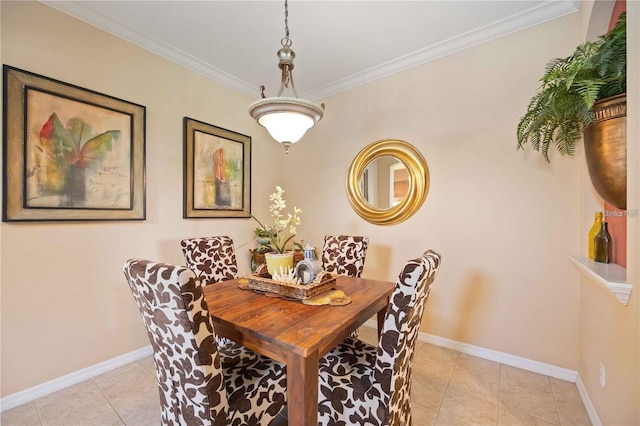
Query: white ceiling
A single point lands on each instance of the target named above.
(339, 44)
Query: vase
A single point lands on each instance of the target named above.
(595, 228)
(605, 147)
(602, 245)
(277, 260)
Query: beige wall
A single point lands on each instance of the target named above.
(504, 221)
(65, 303)
(610, 332)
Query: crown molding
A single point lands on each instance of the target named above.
(93, 18)
(547, 11)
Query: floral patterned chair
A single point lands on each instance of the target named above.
(199, 383)
(213, 259)
(344, 254)
(363, 384)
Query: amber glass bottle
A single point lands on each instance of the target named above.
(602, 245)
(597, 224)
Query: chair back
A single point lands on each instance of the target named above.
(213, 259)
(344, 254)
(399, 335)
(172, 305)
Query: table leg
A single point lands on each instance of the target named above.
(302, 389)
(381, 313)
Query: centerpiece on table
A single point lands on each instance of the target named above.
(278, 238)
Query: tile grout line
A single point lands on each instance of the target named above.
(108, 400)
(557, 423)
(555, 403)
(37, 411)
(446, 389)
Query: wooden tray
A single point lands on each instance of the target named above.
(263, 282)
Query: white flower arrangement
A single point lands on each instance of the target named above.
(284, 228)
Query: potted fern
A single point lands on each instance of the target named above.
(584, 95)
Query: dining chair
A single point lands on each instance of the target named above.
(344, 254)
(363, 384)
(213, 259)
(199, 383)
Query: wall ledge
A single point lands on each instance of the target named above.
(610, 277)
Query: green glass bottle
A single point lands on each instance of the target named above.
(597, 224)
(602, 245)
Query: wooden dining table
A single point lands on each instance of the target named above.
(293, 333)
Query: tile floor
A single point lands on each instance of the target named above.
(449, 388)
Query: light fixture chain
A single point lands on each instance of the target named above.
(286, 41)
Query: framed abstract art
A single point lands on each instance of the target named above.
(217, 171)
(70, 153)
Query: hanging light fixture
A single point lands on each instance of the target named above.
(286, 119)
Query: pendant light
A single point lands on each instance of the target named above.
(286, 118)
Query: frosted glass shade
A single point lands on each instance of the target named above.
(286, 119)
(286, 126)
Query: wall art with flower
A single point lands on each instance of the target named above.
(217, 171)
(72, 154)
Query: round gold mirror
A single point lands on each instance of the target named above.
(387, 182)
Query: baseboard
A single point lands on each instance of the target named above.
(46, 388)
(588, 405)
(501, 357)
(514, 361)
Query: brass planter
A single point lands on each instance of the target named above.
(605, 147)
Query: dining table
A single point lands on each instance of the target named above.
(294, 333)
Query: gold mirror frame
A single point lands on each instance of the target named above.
(418, 182)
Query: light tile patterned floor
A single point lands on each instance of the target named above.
(449, 388)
